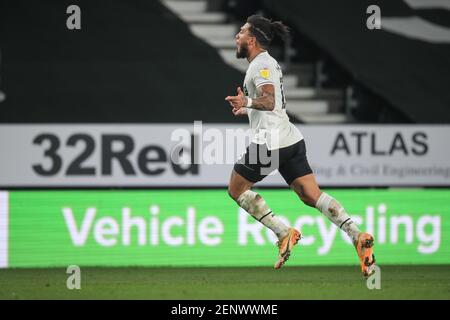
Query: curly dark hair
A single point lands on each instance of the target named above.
(264, 30)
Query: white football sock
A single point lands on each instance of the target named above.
(254, 204)
(337, 214)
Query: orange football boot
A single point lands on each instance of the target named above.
(285, 246)
(364, 248)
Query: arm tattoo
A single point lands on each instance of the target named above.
(265, 100)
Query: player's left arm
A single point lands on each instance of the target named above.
(265, 100)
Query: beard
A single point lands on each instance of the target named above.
(242, 52)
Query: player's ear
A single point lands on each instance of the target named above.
(253, 41)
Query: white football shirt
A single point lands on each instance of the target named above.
(270, 127)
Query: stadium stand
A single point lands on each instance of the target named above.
(174, 61)
(336, 68)
(309, 99)
(406, 64)
(130, 62)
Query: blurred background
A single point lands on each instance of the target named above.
(138, 54)
(87, 116)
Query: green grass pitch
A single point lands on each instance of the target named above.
(397, 282)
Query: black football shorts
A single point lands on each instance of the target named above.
(258, 162)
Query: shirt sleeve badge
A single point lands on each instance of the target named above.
(265, 73)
